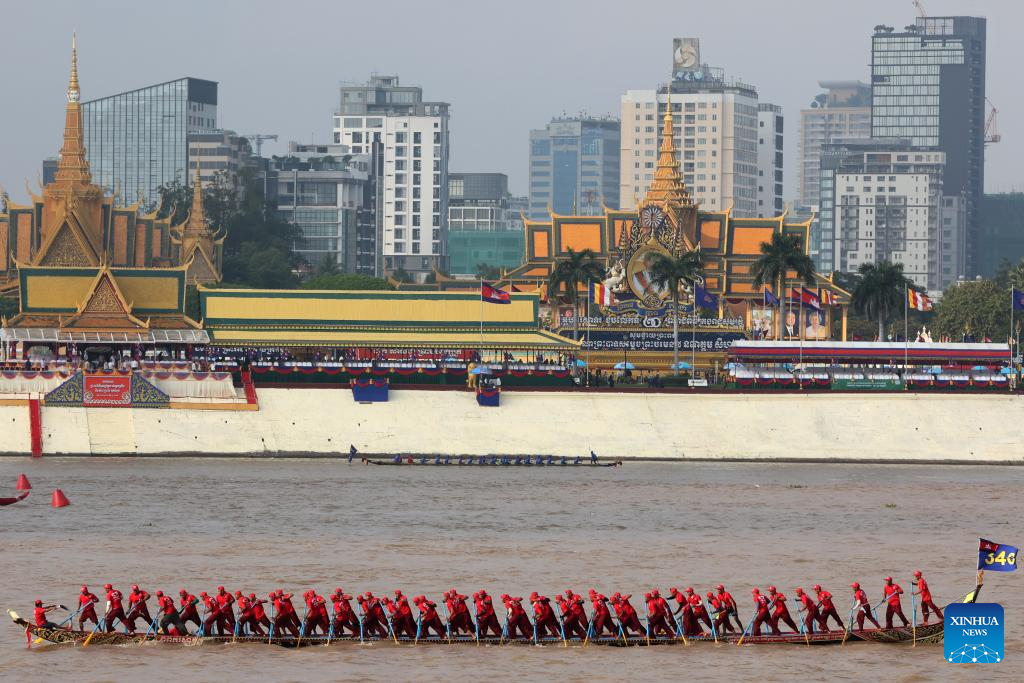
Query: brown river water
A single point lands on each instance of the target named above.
(261, 524)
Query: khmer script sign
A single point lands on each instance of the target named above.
(107, 390)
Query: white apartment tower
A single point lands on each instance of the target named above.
(769, 160)
(413, 188)
(715, 124)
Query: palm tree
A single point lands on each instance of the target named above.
(782, 254)
(880, 292)
(578, 268)
(671, 272)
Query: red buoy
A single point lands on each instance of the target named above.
(23, 484)
(59, 499)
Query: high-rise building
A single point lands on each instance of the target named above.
(843, 111)
(574, 166)
(482, 228)
(413, 192)
(715, 128)
(137, 141)
(928, 86)
(221, 152)
(1002, 226)
(769, 160)
(323, 190)
(882, 199)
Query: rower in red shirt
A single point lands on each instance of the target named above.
(700, 612)
(892, 595)
(809, 609)
(629, 620)
(657, 616)
(486, 619)
(602, 617)
(211, 617)
(169, 618)
(188, 608)
(316, 614)
(732, 609)
(430, 620)
(406, 621)
(576, 607)
(227, 613)
(763, 616)
(827, 609)
(372, 624)
(259, 614)
(720, 614)
(40, 613)
(459, 613)
(517, 622)
(246, 615)
(863, 607)
(926, 597)
(544, 620)
(137, 608)
(344, 616)
(87, 609)
(685, 610)
(115, 611)
(781, 611)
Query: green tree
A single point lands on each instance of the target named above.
(578, 268)
(401, 275)
(779, 256)
(346, 281)
(671, 272)
(881, 291)
(485, 271)
(981, 307)
(328, 266)
(256, 266)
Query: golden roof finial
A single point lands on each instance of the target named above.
(197, 217)
(668, 186)
(74, 93)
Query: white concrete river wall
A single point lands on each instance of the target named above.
(825, 427)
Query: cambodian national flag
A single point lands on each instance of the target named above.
(493, 295)
(704, 298)
(1018, 300)
(769, 298)
(996, 557)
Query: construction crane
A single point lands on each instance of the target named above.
(257, 140)
(991, 132)
(920, 9)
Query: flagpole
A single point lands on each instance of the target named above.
(800, 327)
(906, 326)
(481, 318)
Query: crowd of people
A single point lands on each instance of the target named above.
(679, 614)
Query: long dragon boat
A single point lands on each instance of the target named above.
(925, 634)
(932, 633)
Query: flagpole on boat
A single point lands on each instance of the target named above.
(481, 318)
(906, 327)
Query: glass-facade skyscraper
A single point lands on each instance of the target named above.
(574, 167)
(137, 141)
(928, 86)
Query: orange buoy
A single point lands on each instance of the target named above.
(23, 484)
(59, 499)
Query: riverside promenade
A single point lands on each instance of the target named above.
(824, 427)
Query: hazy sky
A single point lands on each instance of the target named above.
(505, 67)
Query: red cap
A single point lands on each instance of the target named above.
(220, 589)
(689, 589)
(799, 591)
(617, 594)
(504, 596)
(183, 592)
(107, 586)
(39, 603)
(159, 594)
(654, 591)
(771, 589)
(135, 587)
(755, 591)
(338, 590)
(252, 596)
(398, 593)
(673, 590)
(369, 594)
(855, 585)
(202, 594)
(888, 579)
(710, 595)
(85, 589)
(917, 573)
(238, 594)
(720, 587)
(817, 587)
(534, 596)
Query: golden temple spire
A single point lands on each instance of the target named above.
(73, 169)
(197, 216)
(668, 186)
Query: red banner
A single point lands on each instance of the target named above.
(107, 390)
